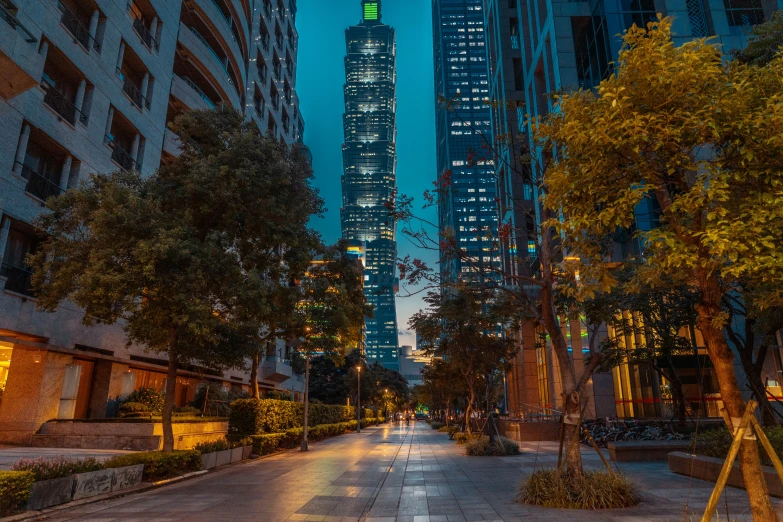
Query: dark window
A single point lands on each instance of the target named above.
(14, 266)
(744, 12)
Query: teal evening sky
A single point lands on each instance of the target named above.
(319, 83)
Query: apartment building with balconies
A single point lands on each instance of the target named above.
(89, 86)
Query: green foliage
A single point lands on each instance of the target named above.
(267, 443)
(452, 431)
(14, 490)
(190, 258)
(149, 397)
(435, 425)
(218, 398)
(716, 443)
(463, 437)
(256, 416)
(278, 395)
(45, 468)
(131, 410)
(186, 411)
(215, 445)
(159, 465)
(593, 490)
(482, 448)
(764, 42)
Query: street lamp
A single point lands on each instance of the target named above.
(359, 398)
(386, 402)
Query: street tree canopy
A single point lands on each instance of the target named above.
(190, 259)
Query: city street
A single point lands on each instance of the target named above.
(402, 474)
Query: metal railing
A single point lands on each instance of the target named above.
(62, 105)
(11, 19)
(121, 156)
(75, 26)
(38, 185)
(18, 279)
(133, 92)
(196, 88)
(223, 62)
(145, 34)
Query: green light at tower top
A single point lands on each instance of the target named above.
(370, 11)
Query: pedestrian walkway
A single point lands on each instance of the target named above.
(397, 474)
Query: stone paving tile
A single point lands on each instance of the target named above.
(397, 474)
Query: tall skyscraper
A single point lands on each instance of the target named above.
(466, 206)
(369, 165)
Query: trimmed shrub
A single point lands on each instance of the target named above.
(256, 416)
(14, 490)
(159, 465)
(185, 411)
(279, 395)
(435, 425)
(462, 437)
(593, 490)
(267, 443)
(149, 397)
(444, 429)
(482, 448)
(44, 468)
(130, 410)
(716, 443)
(211, 447)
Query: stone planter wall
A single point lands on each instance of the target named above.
(48, 493)
(708, 468)
(221, 458)
(645, 450)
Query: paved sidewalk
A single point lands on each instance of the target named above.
(10, 454)
(397, 474)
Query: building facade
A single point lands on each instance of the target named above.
(369, 172)
(89, 87)
(535, 49)
(467, 209)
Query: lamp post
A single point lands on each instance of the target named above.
(359, 398)
(386, 403)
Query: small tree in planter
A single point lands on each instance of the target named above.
(330, 313)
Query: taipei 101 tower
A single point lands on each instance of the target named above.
(369, 179)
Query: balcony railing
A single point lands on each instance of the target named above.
(18, 279)
(145, 34)
(133, 92)
(199, 91)
(11, 19)
(75, 26)
(62, 105)
(121, 156)
(38, 185)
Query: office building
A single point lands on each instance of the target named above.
(88, 87)
(369, 172)
(467, 210)
(535, 49)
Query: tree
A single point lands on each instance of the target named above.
(470, 326)
(185, 260)
(327, 380)
(442, 388)
(331, 309)
(764, 42)
(699, 139)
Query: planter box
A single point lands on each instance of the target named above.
(246, 451)
(641, 450)
(127, 477)
(708, 468)
(209, 460)
(223, 458)
(236, 454)
(47, 493)
(93, 483)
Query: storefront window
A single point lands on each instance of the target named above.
(5, 363)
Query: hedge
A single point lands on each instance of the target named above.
(256, 416)
(159, 465)
(45, 468)
(716, 443)
(14, 490)
(267, 443)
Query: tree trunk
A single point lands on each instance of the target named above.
(709, 308)
(490, 431)
(469, 408)
(254, 393)
(306, 402)
(677, 392)
(168, 400)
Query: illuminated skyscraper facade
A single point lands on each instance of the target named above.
(466, 203)
(369, 164)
